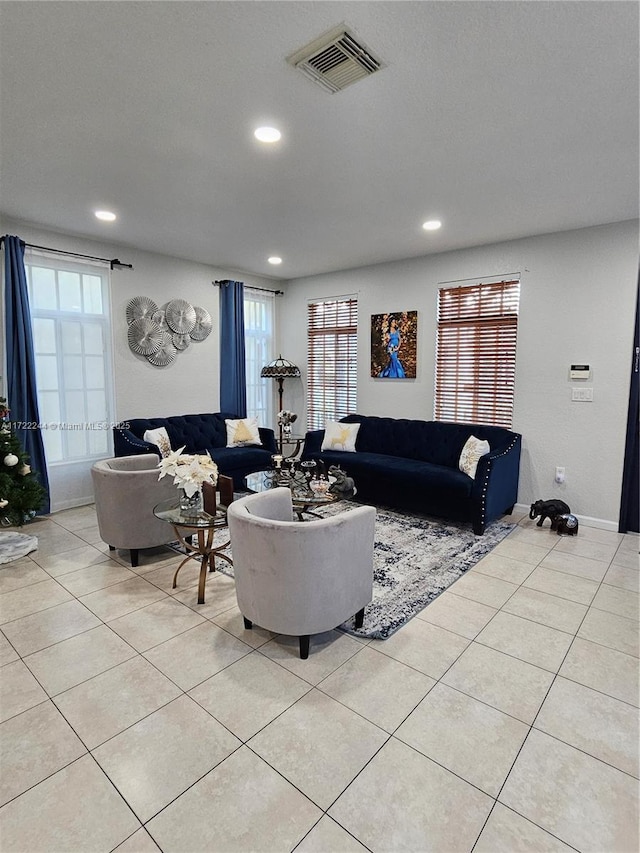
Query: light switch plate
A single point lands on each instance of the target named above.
(582, 395)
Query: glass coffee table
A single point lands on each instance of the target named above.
(303, 500)
(204, 526)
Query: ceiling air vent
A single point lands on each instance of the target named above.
(335, 60)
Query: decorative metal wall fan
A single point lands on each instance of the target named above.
(166, 354)
(159, 318)
(139, 308)
(159, 334)
(180, 316)
(180, 342)
(203, 324)
(145, 336)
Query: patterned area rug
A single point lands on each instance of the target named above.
(415, 558)
(16, 545)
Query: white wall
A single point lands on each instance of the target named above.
(577, 306)
(190, 385)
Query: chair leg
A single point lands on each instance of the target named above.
(359, 619)
(247, 623)
(134, 557)
(112, 547)
(304, 646)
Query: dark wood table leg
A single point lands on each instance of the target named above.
(203, 566)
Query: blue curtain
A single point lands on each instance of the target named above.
(21, 369)
(233, 382)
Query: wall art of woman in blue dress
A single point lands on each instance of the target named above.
(394, 369)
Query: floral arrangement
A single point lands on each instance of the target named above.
(189, 472)
(286, 418)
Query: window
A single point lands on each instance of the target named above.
(331, 360)
(71, 340)
(476, 353)
(259, 311)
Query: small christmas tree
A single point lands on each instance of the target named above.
(21, 494)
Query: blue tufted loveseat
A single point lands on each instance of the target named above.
(199, 434)
(413, 465)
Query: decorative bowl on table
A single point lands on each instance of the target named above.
(319, 487)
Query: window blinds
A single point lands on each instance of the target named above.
(331, 360)
(476, 353)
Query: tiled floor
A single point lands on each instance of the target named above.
(503, 718)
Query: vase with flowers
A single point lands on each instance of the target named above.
(285, 422)
(286, 419)
(189, 472)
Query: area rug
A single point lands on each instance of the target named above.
(415, 559)
(16, 545)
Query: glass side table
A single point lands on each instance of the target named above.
(204, 526)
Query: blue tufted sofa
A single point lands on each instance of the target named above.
(199, 434)
(413, 465)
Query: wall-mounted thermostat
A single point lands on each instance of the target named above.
(579, 371)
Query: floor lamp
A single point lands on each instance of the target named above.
(280, 369)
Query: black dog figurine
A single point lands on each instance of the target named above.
(548, 509)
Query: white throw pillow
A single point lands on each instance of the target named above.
(242, 431)
(338, 436)
(473, 449)
(160, 438)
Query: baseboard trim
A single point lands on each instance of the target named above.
(586, 520)
(522, 509)
(72, 504)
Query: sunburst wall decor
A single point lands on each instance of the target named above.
(160, 334)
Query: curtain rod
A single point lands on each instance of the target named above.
(501, 276)
(251, 287)
(113, 262)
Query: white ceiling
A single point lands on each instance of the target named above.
(502, 119)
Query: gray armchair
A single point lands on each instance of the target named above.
(300, 577)
(126, 490)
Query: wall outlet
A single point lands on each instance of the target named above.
(559, 475)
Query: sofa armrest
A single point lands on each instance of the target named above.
(495, 488)
(312, 443)
(268, 438)
(126, 443)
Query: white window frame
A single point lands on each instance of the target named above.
(259, 347)
(67, 426)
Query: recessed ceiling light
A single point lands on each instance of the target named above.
(267, 134)
(432, 225)
(105, 215)
(275, 260)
